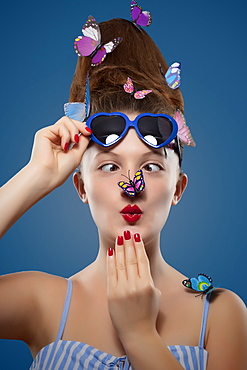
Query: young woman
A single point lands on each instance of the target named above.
(128, 309)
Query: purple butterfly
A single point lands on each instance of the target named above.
(135, 186)
(139, 17)
(90, 43)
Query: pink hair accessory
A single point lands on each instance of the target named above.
(184, 133)
(129, 88)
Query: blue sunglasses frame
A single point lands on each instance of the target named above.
(134, 124)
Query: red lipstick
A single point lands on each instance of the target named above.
(131, 213)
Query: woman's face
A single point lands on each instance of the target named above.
(102, 169)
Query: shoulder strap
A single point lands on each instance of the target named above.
(65, 310)
(204, 320)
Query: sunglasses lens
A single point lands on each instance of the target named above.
(155, 130)
(107, 129)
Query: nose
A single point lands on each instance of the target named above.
(135, 187)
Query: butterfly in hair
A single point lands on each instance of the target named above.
(78, 110)
(172, 75)
(135, 186)
(90, 43)
(202, 284)
(139, 17)
(129, 88)
(184, 133)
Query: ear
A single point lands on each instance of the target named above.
(180, 188)
(79, 185)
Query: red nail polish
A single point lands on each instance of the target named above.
(110, 252)
(88, 129)
(119, 240)
(137, 237)
(127, 235)
(66, 147)
(76, 138)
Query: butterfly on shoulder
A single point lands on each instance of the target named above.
(202, 284)
(135, 186)
(129, 88)
(139, 17)
(90, 43)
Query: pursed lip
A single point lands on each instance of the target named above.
(131, 209)
(131, 213)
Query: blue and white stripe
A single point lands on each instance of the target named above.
(72, 355)
(69, 355)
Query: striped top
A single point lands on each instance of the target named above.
(73, 355)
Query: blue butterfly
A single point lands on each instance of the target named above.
(203, 284)
(77, 110)
(172, 75)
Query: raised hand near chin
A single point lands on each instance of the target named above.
(133, 300)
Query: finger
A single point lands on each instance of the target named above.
(130, 257)
(70, 131)
(81, 127)
(111, 270)
(142, 258)
(120, 259)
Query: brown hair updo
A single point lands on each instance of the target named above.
(137, 57)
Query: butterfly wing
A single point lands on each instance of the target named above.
(201, 284)
(184, 133)
(110, 46)
(100, 55)
(138, 181)
(145, 19)
(75, 111)
(84, 46)
(141, 18)
(127, 188)
(91, 29)
(87, 44)
(129, 86)
(172, 75)
(204, 282)
(141, 94)
(87, 96)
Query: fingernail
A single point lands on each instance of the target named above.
(66, 147)
(88, 129)
(110, 252)
(76, 138)
(137, 237)
(119, 240)
(127, 235)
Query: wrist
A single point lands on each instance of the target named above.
(129, 339)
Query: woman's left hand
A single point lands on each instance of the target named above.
(133, 299)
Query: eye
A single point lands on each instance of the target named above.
(109, 167)
(152, 167)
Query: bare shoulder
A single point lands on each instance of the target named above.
(224, 302)
(25, 296)
(226, 339)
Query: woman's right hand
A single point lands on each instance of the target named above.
(51, 154)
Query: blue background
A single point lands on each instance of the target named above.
(206, 232)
